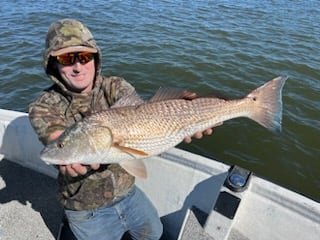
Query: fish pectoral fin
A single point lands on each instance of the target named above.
(135, 167)
(130, 150)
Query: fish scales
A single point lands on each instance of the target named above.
(156, 126)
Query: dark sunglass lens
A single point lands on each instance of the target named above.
(66, 59)
(85, 57)
(69, 58)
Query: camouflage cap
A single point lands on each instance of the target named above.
(68, 35)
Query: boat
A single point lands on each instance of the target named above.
(197, 197)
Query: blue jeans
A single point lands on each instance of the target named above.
(134, 213)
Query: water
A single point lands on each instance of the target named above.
(230, 46)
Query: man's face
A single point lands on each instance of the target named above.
(79, 76)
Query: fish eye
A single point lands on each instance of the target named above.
(60, 145)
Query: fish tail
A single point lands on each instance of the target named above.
(267, 102)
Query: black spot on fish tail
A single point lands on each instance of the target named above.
(267, 104)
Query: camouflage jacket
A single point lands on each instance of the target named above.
(57, 109)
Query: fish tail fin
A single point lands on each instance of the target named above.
(267, 100)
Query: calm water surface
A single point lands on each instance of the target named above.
(230, 46)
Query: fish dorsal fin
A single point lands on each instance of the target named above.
(135, 167)
(131, 100)
(168, 93)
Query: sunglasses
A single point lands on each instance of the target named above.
(68, 59)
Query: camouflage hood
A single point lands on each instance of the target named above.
(67, 35)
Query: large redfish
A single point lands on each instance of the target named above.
(127, 134)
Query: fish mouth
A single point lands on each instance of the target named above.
(45, 156)
(53, 161)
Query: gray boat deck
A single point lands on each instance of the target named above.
(28, 206)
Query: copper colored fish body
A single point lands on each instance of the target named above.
(126, 134)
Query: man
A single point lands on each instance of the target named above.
(100, 201)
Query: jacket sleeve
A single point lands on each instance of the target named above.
(46, 117)
(120, 93)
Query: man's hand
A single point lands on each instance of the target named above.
(74, 169)
(199, 135)
(77, 169)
